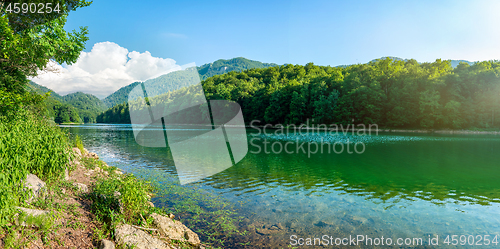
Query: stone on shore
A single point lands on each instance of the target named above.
(132, 237)
(33, 212)
(77, 151)
(175, 230)
(93, 155)
(81, 187)
(106, 244)
(35, 185)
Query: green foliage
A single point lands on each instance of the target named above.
(120, 96)
(88, 105)
(65, 113)
(116, 114)
(72, 108)
(387, 92)
(207, 70)
(133, 196)
(236, 64)
(33, 87)
(77, 142)
(30, 40)
(208, 214)
(28, 144)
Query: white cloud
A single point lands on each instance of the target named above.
(103, 70)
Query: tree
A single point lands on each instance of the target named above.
(28, 41)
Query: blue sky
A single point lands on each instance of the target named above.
(137, 40)
(298, 32)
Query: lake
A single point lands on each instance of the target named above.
(402, 186)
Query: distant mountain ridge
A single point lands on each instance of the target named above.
(88, 105)
(207, 70)
(236, 64)
(120, 96)
(454, 63)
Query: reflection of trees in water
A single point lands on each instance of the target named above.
(258, 174)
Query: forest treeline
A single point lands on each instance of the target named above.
(387, 92)
(75, 107)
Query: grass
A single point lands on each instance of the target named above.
(28, 144)
(209, 215)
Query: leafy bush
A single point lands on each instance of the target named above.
(133, 198)
(28, 144)
(77, 142)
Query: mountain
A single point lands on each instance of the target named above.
(119, 96)
(34, 87)
(74, 107)
(88, 105)
(454, 63)
(236, 64)
(207, 70)
(390, 57)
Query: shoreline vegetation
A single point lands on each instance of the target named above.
(387, 92)
(76, 200)
(87, 204)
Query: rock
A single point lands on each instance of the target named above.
(273, 227)
(81, 187)
(93, 155)
(151, 204)
(118, 172)
(77, 151)
(131, 237)
(85, 151)
(35, 185)
(66, 174)
(33, 212)
(360, 219)
(117, 195)
(106, 244)
(323, 224)
(30, 212)
(175, 230)
(263, 231)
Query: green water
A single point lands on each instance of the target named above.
(401, 186)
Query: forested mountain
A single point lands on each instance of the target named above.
(88, 105)
(34, 87)
(75, 107)
(236, 64)
(207, 70)
(385, 92)
(454, 63)
(120, 96)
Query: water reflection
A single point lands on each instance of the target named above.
(392, 168)
(435, 169)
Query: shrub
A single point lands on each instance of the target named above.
(28, 144)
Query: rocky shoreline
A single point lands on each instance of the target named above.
(65, 210)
